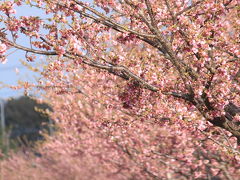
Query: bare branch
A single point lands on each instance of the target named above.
(187, 97)
(151, 14)
(27, 49)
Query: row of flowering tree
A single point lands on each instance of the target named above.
(141, 89)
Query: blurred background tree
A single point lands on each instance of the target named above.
(26, 121)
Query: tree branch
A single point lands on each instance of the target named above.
(120, 71)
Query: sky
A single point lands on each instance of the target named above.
(9, 71)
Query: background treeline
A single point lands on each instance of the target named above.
(25, 123)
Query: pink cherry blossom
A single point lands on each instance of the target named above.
(3, 49)
(139, 89)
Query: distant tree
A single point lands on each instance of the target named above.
(24, 121)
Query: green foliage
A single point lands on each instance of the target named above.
(25, 121)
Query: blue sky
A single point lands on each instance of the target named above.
(8, 73)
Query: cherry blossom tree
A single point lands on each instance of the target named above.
(141, 89)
